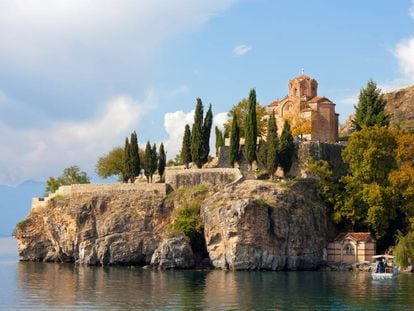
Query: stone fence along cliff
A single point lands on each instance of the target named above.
(99, 189)
(194, 177)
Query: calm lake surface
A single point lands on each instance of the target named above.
(42, 286)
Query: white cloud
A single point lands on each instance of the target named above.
(174, 124)
(404, 52)
(220, 119)
(349, 100)
(93, 33)
(241, 50)
(39, 153)
(182, 89)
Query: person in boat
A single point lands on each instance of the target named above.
(380, 266)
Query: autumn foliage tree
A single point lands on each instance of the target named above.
(240, 111)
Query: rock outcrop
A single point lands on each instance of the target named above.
(261, 225)
(250, 224)
(121, 225)
(174, 253)
(400, 105)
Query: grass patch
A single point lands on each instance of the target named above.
(266, 201)
(186, 217)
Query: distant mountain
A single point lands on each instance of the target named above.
(400, 107)
(15, 203)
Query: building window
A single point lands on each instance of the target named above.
(295, 91)
(349, 250)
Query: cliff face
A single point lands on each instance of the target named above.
(247, 225)
(122, 225)
(257, 225)
(400, 106)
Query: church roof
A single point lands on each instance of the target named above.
(356, 236)
(303, 77)
(277, 102)
(319, 99)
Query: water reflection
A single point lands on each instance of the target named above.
(59, 286)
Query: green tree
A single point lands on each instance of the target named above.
(286, 149)
(186, 147)
(197, 135)
(177, 160)
(219, 140)
(272, 146)
(162, 161)
(111, 164)
(370, 109)
(127, 161)
(262, 153)
(240, 111)
(134, 157)
(208, 122)
(404, 250)
(154, 160)
(71, 175)
(234, 149)
(370, 156)
(147, 161)
(250, 133)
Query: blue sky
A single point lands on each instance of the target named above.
(77, 76)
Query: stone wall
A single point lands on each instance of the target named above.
(194, 177)
(318, 151)
(99, 189)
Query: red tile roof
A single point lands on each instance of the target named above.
(356, 236)
(318, 99)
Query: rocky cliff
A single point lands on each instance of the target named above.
(400, 106)
(261, 225)
(247, 225)
(121, 225)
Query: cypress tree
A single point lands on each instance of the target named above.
(234, 149)
(134, 157)
(197, 135)
(287, 148)
(208, 122)
(186, 147)
(219, 140)
(154, 160)
(250, 134)
(162, 161)
(127, 160)
(370, 110)
(147, 161)
(272, 142)
(262, 153)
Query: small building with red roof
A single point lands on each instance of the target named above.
(352, 247)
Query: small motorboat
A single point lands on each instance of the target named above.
(383, 267)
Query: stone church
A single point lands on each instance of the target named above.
(303, 102)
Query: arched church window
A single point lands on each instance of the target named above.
(295, 91)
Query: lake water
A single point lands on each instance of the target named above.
(42, 286)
